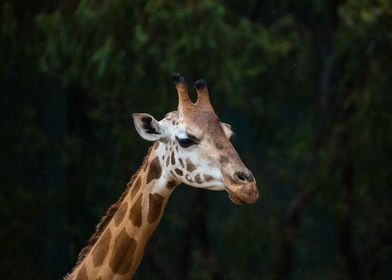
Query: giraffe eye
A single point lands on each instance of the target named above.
(185, 142)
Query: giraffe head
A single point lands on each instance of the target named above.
(195, 146)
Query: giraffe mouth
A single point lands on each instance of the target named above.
(235, 199)
(245, 194)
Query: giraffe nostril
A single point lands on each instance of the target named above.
(241, 176)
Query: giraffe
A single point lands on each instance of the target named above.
(191, 146)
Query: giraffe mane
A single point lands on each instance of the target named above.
(103, 223)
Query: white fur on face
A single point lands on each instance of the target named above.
(191, 165)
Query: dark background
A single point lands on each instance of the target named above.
(305, 84)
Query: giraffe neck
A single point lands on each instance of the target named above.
(120, 247)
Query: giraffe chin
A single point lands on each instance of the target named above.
(235, 199)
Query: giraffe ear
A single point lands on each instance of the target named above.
(227, 129)
(147, 126)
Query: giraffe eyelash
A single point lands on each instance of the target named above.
(187, 142)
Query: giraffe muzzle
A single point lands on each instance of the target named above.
(242, 188)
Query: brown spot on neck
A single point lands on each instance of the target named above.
(190, 166)
(122, 254)
(118, 218)
(135, 214)
(171, 184)
(155, 170)
(155, 207)
(136, 186)
(101, 248)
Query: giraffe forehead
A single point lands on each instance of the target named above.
(206, 123)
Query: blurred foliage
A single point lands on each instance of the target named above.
(305, 84)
